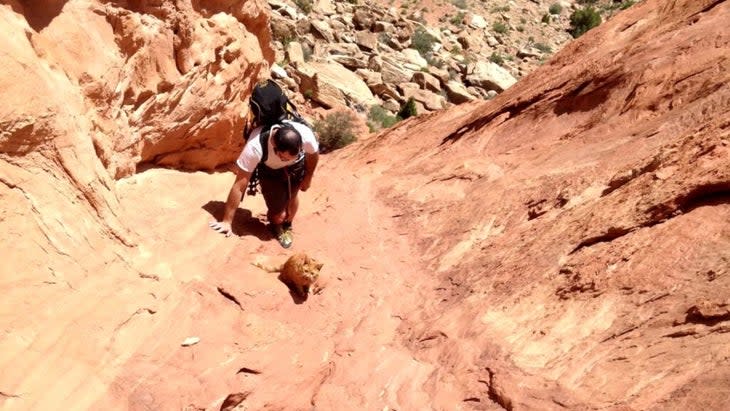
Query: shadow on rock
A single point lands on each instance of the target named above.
(243, 222)
(295, 296)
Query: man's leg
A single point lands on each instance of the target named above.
(292, 208)
(276, 194)
(276, 218)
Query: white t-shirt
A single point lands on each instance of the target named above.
(252, 152)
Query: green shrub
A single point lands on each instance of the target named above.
(499, 27)
(422, 41)
(460, 3)
(583, 20)
(496, 58)
(335, 131)
(543, 47)
(555, 8)
(304, 5)
(408, 109)
(457, 19)
(626, 4)
(378, 118)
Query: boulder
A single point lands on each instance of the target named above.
(490, 76)
(323, 30)
(367, 40)
(426, 81)
(412, 56)
(325, 7)
(332, 84)
(295, 52)
(457, 92)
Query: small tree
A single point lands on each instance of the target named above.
(555, 8)
(583, 20)
(335, 131)
(378, 118)
(304, 5)
(408, 109)
(543, 47)
(499, 27)
(423, 41)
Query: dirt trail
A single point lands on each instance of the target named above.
(341, 346)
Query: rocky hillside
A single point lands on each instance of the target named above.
(366, 54)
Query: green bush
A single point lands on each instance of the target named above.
(543, 47)
(583, 20)
(459, 3)
(408, 109)
(555, 8)
(499, 27)
(335, 131)
(496, 58)
(626, 4)
(457, 19)
(378, 118)
(422, 41)
(304, 5)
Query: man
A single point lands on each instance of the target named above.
(292, 155)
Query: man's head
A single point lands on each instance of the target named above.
(287, 142)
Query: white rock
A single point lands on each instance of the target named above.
(412, 56)
(190, 341)
(477, 22)
(278, 72)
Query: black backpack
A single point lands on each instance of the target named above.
(268, 106)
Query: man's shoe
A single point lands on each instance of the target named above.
(285, 238)
(282, 233)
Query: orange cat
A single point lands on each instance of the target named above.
(300, 272)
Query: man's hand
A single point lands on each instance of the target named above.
(305, 184)
(221, 227)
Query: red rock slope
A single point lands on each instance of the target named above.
(562, 246)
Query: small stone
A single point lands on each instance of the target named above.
(190, 341)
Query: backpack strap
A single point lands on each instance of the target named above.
(264, 140)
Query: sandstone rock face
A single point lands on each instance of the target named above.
(562, 246)
(92, 92)
(146, 94)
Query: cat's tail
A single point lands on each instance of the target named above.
(268, 269)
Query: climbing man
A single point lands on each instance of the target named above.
(282, 174)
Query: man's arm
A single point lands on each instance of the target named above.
(310, 162)
(235, 196)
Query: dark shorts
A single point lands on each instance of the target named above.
(279, 186)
